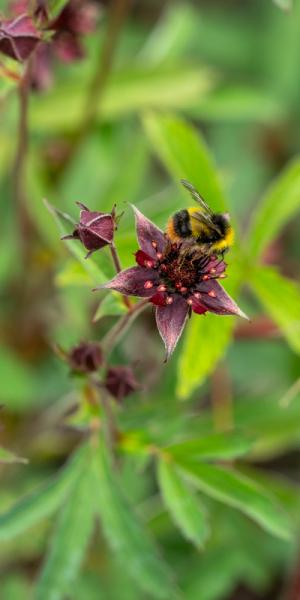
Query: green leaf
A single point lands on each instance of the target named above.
(281, 299)
(126, 93)
(215, 446)
(7, 457)
(126, 534)
(205, 342)
(41, 503)
(239, 104)
(56, 6)
(238, 491)
(284, 4)
(110, 305)
(185, 508)
(72, 274)
(75, 246)
(184, 153)
(279, 205)
(70, 539)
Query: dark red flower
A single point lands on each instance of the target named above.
(95, 229)
(175, 281)
(120, 382)
(78, 18)
(18, 37)
(86, 357)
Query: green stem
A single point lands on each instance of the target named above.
(116, 18)
(117, 332)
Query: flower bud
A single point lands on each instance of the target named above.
(120, 382)
(18, 37)
(95, 229)
(86, 357)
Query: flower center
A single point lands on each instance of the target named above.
(179, 272)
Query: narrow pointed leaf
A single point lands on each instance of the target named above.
(184, 153)
(71, 535)
(238, 491)
(281, 299)
(215, 446)
(41, 503)
(7, 457)
(279, 205)
(205, 342)
(127, 535)
(182, 503)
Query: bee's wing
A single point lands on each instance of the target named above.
(196, 196)
(202, 217)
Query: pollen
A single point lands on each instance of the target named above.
(149, 263)
(205, 277)
(169, 300)
(161, 288)
(197, 295)
(148, 285)
(190, 301)
(159, 255)
(212, 270)
(212, 294)
(154, 244)
(183, 289)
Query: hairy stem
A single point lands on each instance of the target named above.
(117, 332)
(116, 18)
(18, 176)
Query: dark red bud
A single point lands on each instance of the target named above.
(120, 382)
(18, 37)
(95, 229)
(86, 357)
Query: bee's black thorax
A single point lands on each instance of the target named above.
(181, 223)
(209, 236)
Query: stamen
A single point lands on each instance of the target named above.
(197, 295)
(163, 267)
(148, 285)
(212, 294)
(161, 288)
(190, 301)
(183, 289)
(149, 263)
(205, 277)
(169, 300)
(222, 276)
(159, 255)
(178, 284)
(154, 244)
(212, 270)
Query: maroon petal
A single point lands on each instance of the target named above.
(18, 37)
(170, 321)
(151, 238)
(216, 300)
(135, 281)
(144, 260)
(197, 306)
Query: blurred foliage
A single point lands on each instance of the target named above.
(202, 500)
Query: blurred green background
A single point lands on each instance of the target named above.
(207, 90)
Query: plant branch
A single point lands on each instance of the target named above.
(116, 18)
(117, 332)
(25, 224)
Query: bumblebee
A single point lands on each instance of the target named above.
(199, 228)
